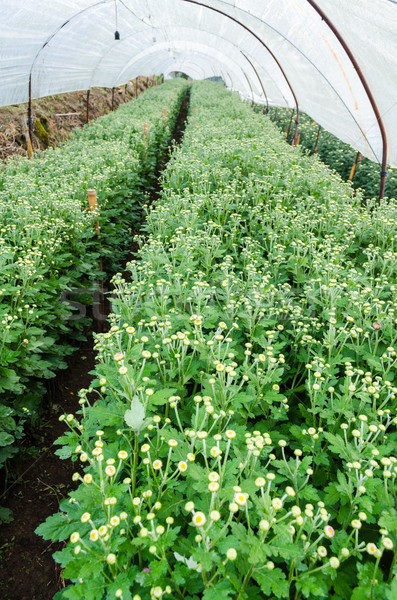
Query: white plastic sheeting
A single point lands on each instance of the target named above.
(66, 45)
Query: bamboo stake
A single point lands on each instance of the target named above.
(316, 143)
(25, 132)
(353, 169)
(93, 205)
(146, 134)
(290, 123)
(88, 107)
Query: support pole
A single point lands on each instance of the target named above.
(327, 20)
(275, 114)
(87, 117)
(266, 47)
(113, 98)
(316, 142)
(136, 87)
(259, 79)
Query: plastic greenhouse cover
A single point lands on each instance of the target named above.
(67, 45)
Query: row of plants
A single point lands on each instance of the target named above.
(49, 248)
(336, 154)
(238, 440)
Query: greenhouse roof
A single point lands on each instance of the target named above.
(335, 59)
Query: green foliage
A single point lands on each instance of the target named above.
(257, 331)
(49, 250)
(338, 155)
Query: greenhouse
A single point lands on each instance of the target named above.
(198, 383)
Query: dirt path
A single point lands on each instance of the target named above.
(27, 569)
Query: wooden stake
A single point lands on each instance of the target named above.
(290, 123)
(298, 139)
(146, 134)
(318, 135)
(353, 169)
(93, 204)
(113, 98)
(275, 115)
(87, 107)
(136, 87)
(25, 132)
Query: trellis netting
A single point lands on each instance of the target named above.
(274, 51)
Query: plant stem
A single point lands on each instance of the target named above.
(135, 465)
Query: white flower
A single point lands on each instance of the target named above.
(213, 486)
(296, 511)
(264, 525)
(387, 543)
(240, 498)
(334, 562)
(215, 515)
(182, 466)
(371, 548)
(215, 451)
(277, 503)
(111, 559)
(199, 519)
(85, 517)
(231, 554)
(94, 535)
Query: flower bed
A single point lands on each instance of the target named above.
(49, 247)
(238, 440)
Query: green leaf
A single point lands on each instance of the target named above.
(135, 417)
(221, 591)
(313, 586)
(6, 438)
(272, 582)
(160, 396)
(56, 528)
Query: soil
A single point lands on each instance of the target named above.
(54, 117)
(27, 569)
